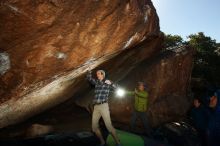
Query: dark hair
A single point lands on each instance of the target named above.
(199, 99)
(142, 83)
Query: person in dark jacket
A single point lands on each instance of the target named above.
(214, 122)
(199, 115)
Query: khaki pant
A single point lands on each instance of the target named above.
(101, 110)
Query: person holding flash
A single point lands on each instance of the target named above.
(140, 107)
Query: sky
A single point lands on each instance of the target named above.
(185, 17)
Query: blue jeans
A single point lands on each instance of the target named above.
(144, 119)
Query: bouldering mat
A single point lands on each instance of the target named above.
(126, 138)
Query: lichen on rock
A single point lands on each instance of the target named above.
(4, 63)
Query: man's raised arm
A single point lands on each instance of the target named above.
(90, 78)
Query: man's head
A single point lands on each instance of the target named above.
(141, 86)
(213, 101)
(100, 74)
(196, 102)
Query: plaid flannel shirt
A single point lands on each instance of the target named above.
(102, 90)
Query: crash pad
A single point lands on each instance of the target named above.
(126, 138)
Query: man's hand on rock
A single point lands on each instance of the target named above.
(89, 70)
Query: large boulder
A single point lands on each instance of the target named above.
(47, 46)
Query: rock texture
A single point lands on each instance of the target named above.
(51, 43)
(47, 46)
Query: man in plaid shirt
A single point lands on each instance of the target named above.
(101, 108)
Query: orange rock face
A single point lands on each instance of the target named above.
(47, 46)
